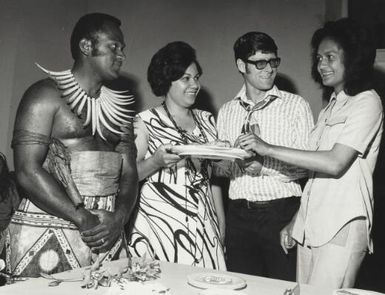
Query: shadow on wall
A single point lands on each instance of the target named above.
(131, 83)
(204, 101)
(373, 268)
(283, 82)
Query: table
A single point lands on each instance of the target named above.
(173, 276)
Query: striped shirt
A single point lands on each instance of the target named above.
(283, 119)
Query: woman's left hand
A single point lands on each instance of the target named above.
(286, 240)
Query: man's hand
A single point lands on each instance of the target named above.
(287, 242)
(102, 236)
(252, 165)
(88, 220)
(164, 156)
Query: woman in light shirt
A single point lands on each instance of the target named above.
(332, 227)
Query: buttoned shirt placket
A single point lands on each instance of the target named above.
(327, 114)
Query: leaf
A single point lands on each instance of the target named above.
(54, 283)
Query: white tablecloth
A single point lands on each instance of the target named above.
(173, 276)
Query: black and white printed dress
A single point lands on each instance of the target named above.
(176, 219)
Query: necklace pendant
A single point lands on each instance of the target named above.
(182, 132)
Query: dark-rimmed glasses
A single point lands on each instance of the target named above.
(262, 63)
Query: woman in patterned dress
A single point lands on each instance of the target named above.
(180, 213)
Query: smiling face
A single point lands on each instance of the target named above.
(258, 80)
(330, 64)
(184, 91)
(107, 54)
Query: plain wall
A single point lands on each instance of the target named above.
(39, 31)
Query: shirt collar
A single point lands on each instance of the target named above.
(341, 98)
(274, 91)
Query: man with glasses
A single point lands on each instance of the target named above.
(264, 193)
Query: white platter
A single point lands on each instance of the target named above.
(216, 280)
(210, 152)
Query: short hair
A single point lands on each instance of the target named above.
(87, 27)
(359, 53)
(169, 64)
(251, 42)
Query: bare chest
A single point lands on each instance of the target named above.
(70, 127)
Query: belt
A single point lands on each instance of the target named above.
(258, 204)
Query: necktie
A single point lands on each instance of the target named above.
(246, 128)
(257, 160)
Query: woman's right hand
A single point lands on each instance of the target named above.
(287, 242)
(164, 157)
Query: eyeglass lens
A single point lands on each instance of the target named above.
(261, 64)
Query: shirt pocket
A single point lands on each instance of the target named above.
(334, 128)
(336, 121)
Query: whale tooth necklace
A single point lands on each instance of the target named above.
(109, 105)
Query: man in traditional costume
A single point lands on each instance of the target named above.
(75, 157)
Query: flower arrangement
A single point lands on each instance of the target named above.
(95, 276)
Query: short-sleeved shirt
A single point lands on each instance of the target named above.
(284, 119)
(329, 203)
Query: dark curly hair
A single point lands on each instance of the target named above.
(359, 53)
(251, 42)
(169, 64)
(87, 27)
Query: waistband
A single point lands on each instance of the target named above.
(243, 203)
(41, 220)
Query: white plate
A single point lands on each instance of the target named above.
(217, 291)
(215, 280)
(210, 152)
(352, 291)
(211, 156)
